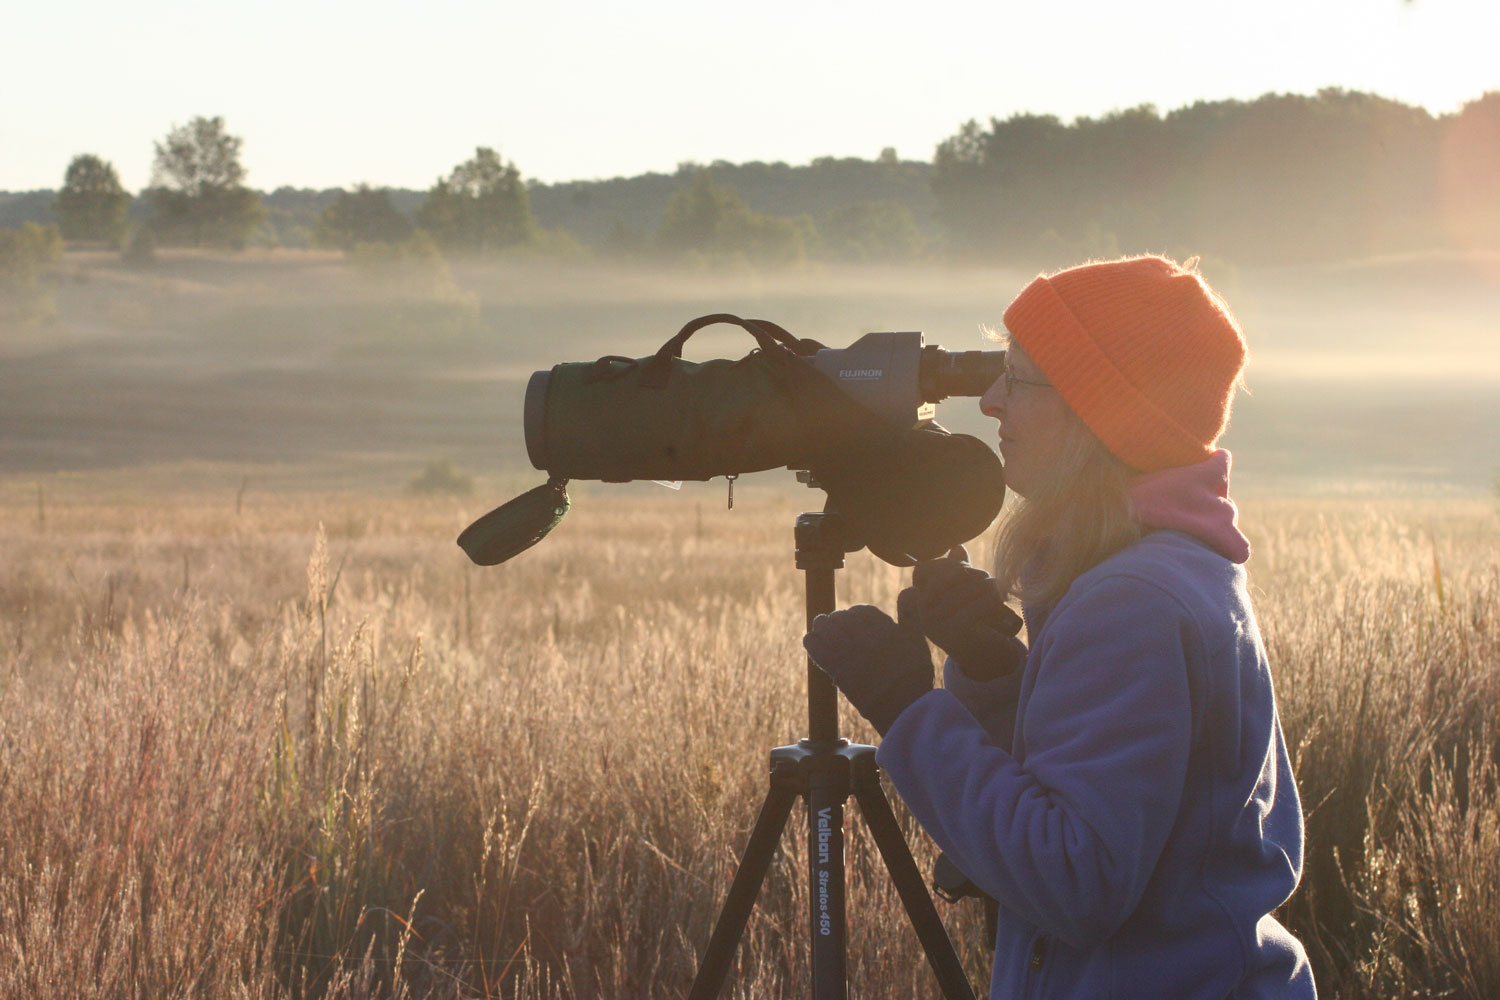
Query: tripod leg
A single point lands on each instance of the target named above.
(924, 916)
(735, 913)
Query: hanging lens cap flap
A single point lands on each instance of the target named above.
(517, 525)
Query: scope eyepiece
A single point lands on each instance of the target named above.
(957, 373)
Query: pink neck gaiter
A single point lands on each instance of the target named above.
(1193, 499)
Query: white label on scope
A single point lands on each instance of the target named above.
(861, 374)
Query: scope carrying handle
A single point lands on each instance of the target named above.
(772, 339)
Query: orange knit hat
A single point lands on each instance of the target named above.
(1142, 350)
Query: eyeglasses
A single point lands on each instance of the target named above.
(1011, 381)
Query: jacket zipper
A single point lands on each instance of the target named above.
(1038, 953)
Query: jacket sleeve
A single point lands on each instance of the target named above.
(1068, 837)
(991, 702)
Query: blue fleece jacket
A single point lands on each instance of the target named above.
(1127, 796)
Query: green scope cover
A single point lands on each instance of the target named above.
(597, 420)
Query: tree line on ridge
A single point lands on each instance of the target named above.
(1280, 179)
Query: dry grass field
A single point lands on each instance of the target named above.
(303, 748)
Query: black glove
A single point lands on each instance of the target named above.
(960, 608)
(881, 666)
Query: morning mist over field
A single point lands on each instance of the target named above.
(297, 362)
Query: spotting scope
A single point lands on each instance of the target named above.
(857, 420)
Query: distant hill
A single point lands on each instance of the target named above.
(590, 210)
(26, 206)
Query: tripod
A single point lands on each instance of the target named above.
(825, 769)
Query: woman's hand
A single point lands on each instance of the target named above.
(960, 608)
(881, 666)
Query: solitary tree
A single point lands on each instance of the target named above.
(364, 215)
(91, 204)
(481, 206)
(197, 190)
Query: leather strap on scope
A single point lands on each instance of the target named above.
(772, 339)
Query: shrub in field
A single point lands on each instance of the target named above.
(439, 476)
(140, 247)
(413, 265)
(23, 292)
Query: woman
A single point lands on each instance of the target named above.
(1122, 787)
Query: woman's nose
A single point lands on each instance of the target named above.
(992, 403)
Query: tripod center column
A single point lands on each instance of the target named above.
(820, 552)
(828, 790)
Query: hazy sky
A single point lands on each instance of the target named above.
(328, 92)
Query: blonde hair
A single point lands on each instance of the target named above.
(1077, 517)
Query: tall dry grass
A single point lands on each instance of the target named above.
(243, 756)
